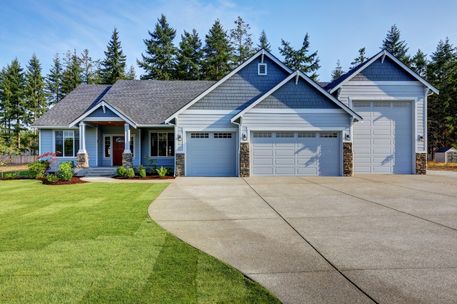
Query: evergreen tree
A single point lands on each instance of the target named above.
(263, 42)
(419, 63)
(89, 74)
(442, 108)
(3, 118)
(14, 102)
(35, 90)
(72, 75)
(131, 75)
(395, 45)
(189, 57)
(359, 59)
(54, 82)
(159, 60)
(217, 53)
(241, 40)
(113, 66)
(338, 71)
(301, 59)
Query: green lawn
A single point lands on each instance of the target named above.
(94, 243)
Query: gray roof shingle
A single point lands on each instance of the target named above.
(146, 102)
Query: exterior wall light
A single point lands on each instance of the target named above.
(420, 138)
(244, 137)
(179, 137)
(347, 136)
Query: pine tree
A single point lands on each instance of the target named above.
(395, 45)
(88, 68)
(131, 75)
(301, 59)
(241, 40)
(263, 42)
(72, 75)
(35, 90)
(113, 66)
(419, 63)
(217, 53)
(14, 102)
(159, 60)
(338, 71)
(442, 108)
(54, 82)
(359, 59)
(189, 57)
(3, 118)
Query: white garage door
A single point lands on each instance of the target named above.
(295, 153)
(211, 154)
(383, 140)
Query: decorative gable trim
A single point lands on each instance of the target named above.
(384, 54)
(298, 75)
(111, 108)
(217, 84)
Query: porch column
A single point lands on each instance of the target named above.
(82, 159)
(127, 156)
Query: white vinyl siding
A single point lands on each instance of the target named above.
(296, 153)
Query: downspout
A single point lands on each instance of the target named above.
(175, 132)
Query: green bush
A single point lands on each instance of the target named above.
(130, 173)
(162, 171)
(65, 171)
(121, 171)
(38, 168)
(10, 175)
(142, 171)
(52, 178)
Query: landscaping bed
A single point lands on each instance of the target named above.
(73, 180)
(146, 177)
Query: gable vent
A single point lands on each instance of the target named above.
(262, 69)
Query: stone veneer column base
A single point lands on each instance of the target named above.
(347, 159)
(82, 160)
(244, 160)
(127, 160)
(421, 163)
(180, 164)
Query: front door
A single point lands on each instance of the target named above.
(118, 148)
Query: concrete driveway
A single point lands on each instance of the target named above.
(365, 239)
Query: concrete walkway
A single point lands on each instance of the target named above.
(367, 239)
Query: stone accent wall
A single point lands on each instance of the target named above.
(82, 160)
(421, 163)
(347, 159)
(244, 160)
(180, 162)
(127, 160)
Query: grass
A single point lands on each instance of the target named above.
(94, 243)
(442, 166)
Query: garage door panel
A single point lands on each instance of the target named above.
(382, 141)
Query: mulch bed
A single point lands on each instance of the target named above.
(146, 177)
(74, 180)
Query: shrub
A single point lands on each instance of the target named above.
(142, 171)
(65, 171)
(121, 171)
(52, 178)
(38, 168)
(10, 175)
(130, 173)
(162, 171)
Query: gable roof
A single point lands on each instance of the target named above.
(445, 149)
(337, 83)
(312, 83)
(233, 72)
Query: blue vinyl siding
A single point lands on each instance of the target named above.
(91, 145)
(241, 89)
(99, 113)
(46, 141)
(383, 71)
(299, 95)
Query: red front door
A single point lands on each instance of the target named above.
(118, 148)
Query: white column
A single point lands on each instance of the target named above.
(127, 138)
(82, 137)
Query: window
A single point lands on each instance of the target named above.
(262, 69)
(162, 144)
(306, 134)
(284, 134)
(66, 143)
(199, 135)
(262, 134)
(107, 148)
(329, 135)
(222, 135)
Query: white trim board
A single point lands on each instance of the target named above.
(298, 74)
(376, 57)
(297, 111)
(214, 86)
(104, 104)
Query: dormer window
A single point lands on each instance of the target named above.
(262, 69)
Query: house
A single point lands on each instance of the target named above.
(261, 119)
(446, 155)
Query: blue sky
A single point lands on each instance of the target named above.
(337, 28)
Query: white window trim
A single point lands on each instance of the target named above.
(75, 149)
(161, 157)
(258, 69)
(133, 141)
